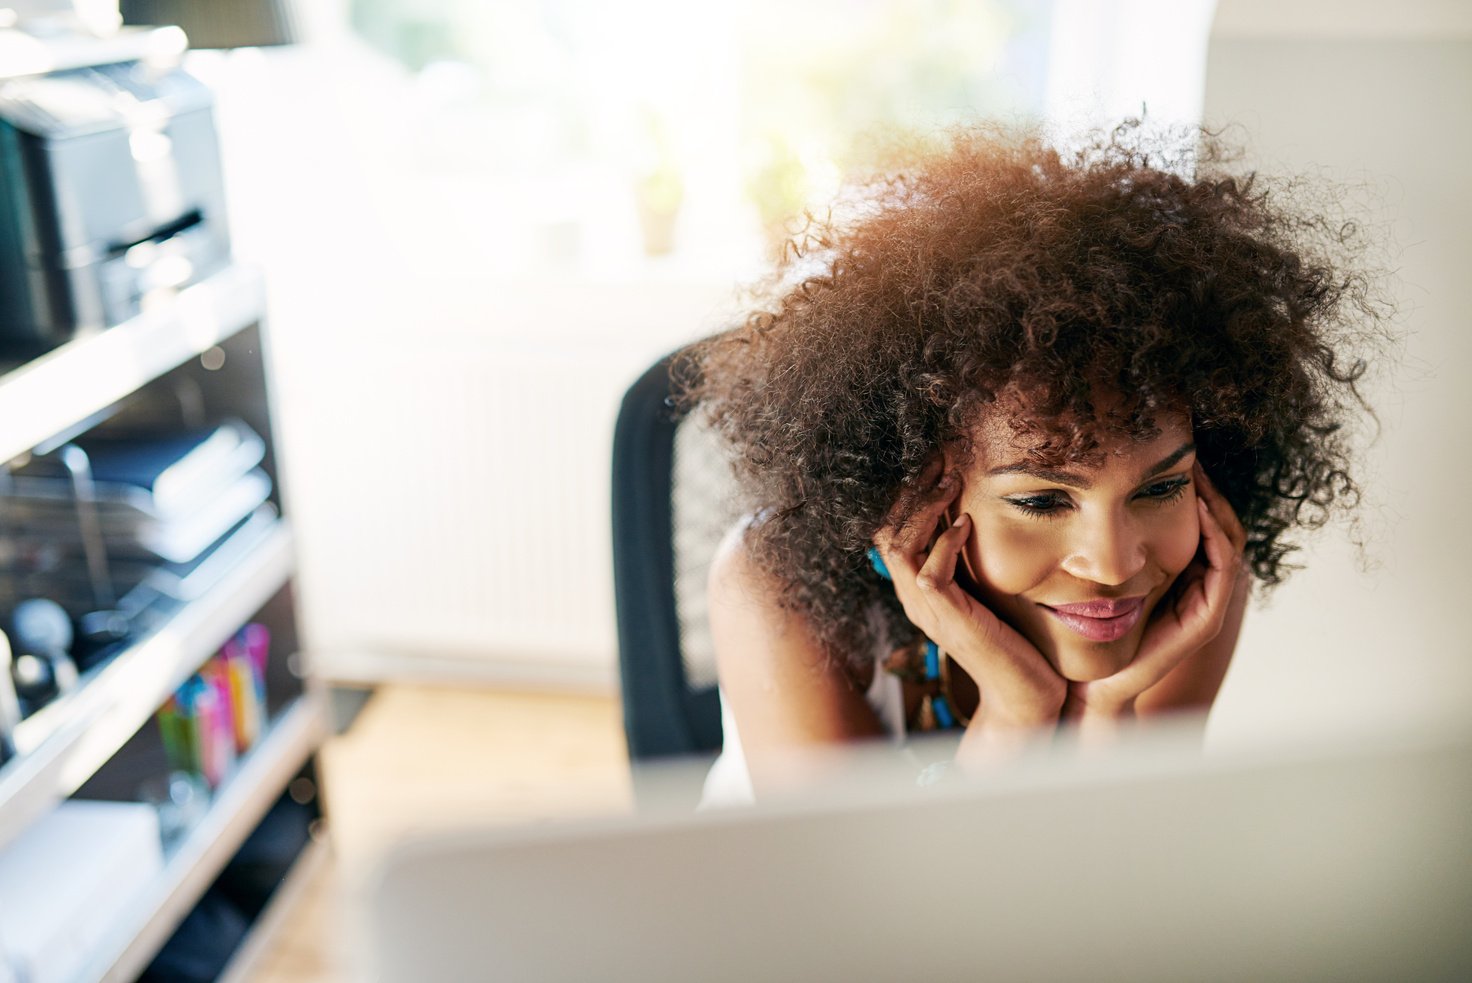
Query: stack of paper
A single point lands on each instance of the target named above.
(66, 881)
(170, 510)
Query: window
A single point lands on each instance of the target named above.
(602, 137)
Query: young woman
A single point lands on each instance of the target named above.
(1017, 429)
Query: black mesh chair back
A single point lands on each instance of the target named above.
(672, 503)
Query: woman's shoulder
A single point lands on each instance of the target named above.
(748, 601)
(736, 575)
(783, 686)
(751, 607)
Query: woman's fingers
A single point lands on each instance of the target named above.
(1221, 509)
(939, 569)
(1211, 546)
(1223, 540)
(922, 582)
(1200, 609)
(1014, 678)
(910, 541)
(926, 586)
(1198, 612)
(1205, 600)
(1225, 531)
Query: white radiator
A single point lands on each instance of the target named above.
(451, 497)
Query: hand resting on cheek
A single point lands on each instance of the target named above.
(1022, 694)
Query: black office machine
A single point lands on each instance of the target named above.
(110, 190)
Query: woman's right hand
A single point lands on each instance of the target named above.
(1019, 689)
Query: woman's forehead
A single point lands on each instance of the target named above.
(1002, 439)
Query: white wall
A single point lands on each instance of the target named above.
(360, 282)
(1109, 60)
(1378, 96)
(445, 419)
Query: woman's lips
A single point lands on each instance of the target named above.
(1099, 621)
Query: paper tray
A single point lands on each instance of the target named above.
(135, 479)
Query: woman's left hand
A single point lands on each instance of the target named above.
(1181, 627)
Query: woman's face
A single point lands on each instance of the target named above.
(1077, 557)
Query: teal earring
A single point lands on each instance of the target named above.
(878, 563)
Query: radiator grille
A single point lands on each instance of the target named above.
(459, 502)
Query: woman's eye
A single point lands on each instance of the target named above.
(1039, 506)
(1165, 491)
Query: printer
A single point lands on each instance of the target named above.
(110, 192)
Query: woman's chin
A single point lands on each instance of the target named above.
(1080, 659)
(1085, 662)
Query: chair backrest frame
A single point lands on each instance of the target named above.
(663, 716)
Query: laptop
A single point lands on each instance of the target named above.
(1150, 862)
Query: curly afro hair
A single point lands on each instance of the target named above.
(999, 274)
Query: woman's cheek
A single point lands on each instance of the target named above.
(1179, 536)
(1011, 557)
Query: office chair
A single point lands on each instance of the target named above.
(672, 503)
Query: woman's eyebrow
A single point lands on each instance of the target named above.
(1083, 483)
(1046, 474)
(1170, 460)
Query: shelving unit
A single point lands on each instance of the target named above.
(67, 741)
(70, 385)
(73, 742)
(193, 864)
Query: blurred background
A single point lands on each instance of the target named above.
(490, 218)
(480, 220)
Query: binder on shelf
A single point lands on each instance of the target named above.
(133, 519)
(191, 578)
(140, 477)
(143, 584)
(53, 538)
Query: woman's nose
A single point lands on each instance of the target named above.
(1108, 550)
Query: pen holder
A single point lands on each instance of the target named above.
(220, 712)
(196, 729)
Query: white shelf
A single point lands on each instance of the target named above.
(65, 391)
(238, 806)
(62, 745)
(71, 383)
